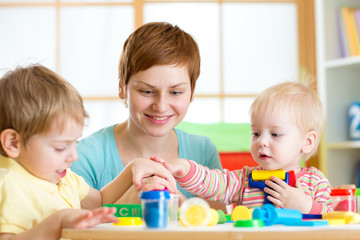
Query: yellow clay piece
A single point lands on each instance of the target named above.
(241, 213)
(261, 175)
(214, 217)
(350, 217)
(196, 215)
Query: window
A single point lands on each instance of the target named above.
(245, 46)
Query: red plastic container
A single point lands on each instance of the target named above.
(343, 199)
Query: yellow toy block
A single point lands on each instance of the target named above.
(261, 175)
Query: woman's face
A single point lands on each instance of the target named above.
(158, 98)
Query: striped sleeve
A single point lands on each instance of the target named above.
(223, 186)
(318, 187)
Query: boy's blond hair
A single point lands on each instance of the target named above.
(31, 97)
(302, 102)
(158, 43)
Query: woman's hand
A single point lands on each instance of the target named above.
(150, 175)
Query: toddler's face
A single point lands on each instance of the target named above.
(276, 141)
(48, 155)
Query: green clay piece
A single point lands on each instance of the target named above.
(249, 223)
(126, 210)
(222, 217)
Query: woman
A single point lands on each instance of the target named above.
(158, 69)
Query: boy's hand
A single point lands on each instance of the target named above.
(80, 218)
(51, 227)
(178, 167)
(285, 196)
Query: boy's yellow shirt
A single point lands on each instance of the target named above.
(25, 200)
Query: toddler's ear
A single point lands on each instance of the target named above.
(310, 140)
(10, 142)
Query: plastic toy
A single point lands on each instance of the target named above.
(344, 199)
(195, 212)
(241, 213)
(154, 206)
(257, 179)
(249, 223)
(336, 221)
(309, 223)
(128, 221)
(261, 175)
(173, 210)
(350, 217)
(312, 216)
(272, 215)
(126, 210)
(228, 218)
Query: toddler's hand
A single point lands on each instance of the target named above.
(178, 167)
(285, 196)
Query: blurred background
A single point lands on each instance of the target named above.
(245, 46)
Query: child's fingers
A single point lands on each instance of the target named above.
(298, 184)
(275, 201)
(167, 166)
(104, 214)
(157, 159)
(273, 186)
(279, 182)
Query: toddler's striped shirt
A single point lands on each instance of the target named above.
(233, 186)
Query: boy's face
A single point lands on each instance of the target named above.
(158, 98)
(276, 141)
(48, 155)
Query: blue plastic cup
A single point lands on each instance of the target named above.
(155, 208)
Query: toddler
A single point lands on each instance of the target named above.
(286, 124)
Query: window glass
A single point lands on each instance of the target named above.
(204, 29)
(236, 110)
(27, 37)
(204, 110)
(103, 114)
(91, 40)
(260, 46)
